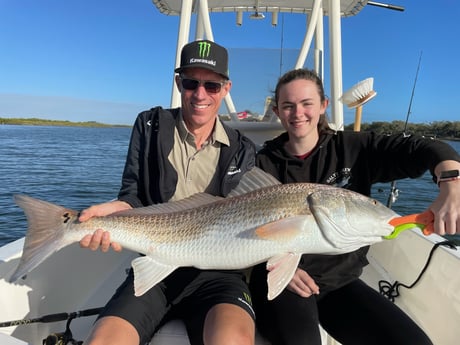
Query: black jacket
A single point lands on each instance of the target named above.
(354, 161)
(148, 176)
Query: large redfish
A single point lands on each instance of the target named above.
(275, 223)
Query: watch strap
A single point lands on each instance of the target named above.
(448, 175)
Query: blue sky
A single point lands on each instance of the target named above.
(105, 61)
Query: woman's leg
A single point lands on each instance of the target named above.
(357, 314)
(288, 319)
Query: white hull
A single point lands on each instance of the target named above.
(75, 279)
(434, 302)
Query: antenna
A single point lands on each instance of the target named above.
(281, 43)
(388, 6)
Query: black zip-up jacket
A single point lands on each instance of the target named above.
(353, 161)
(148, 176)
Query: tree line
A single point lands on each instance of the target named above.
(43, 122)
(437, 129)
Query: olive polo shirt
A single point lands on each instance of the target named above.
(195, 168)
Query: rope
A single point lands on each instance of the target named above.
(391, 291)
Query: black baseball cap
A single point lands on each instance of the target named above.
(204, 54)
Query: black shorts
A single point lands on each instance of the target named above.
(187, 294)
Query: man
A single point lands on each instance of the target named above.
(173, 154)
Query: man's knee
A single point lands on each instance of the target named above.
(112, 330)
(228, 324)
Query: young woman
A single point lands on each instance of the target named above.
(326, 289)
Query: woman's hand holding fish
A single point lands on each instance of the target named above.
(302, 284)
(446, 208)
(100, 238)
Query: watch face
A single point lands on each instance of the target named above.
(449, 174)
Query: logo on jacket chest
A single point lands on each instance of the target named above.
(340, 178)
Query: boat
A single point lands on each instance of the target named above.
(59, 300)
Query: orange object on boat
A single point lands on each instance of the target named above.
(424, 221)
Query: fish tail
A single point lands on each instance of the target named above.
(45, 233)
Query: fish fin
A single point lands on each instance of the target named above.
(282, 268)
(283, 229)
(254, 179)
(194, 201)
(148, 272)
(45, 234)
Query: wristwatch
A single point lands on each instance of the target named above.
(448, 175)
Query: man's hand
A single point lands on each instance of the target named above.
(100, 238)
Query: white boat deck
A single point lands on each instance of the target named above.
(62, 286)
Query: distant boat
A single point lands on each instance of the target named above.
(50, 297)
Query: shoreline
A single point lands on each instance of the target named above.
(62, 123)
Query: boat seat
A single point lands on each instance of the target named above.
(174, 333)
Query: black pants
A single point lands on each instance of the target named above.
(354, 314)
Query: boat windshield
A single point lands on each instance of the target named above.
(254, 73)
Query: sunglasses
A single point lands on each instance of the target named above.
(210, 86)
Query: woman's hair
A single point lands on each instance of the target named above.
(303, 73)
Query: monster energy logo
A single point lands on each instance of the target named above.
(247, 297)
(204, 49)
(247, 302)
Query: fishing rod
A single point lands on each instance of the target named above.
(60, 338)
(52, 317)
(394, 192)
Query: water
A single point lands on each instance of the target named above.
(415, 195)
(71, 166)
(78, 166)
